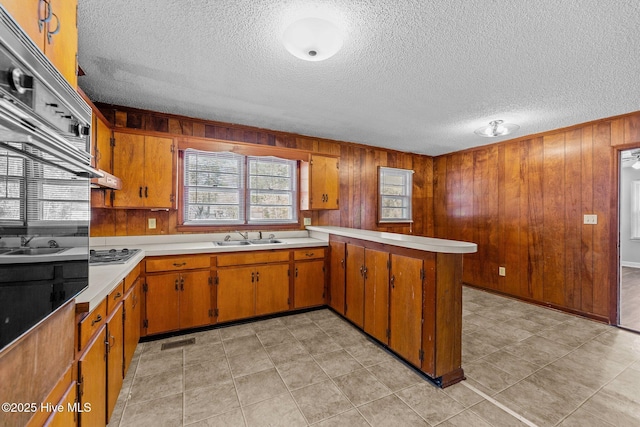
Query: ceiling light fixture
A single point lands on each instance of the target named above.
(312, 39)
(636, 165)
(496, 128)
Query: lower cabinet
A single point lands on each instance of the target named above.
(131, 323)
(92, 381)
(66, 417)
(376, 294)
(354, 288)
(337, 264)
(115, 357)
(309, 283)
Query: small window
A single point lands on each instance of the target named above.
(213, 187)
(635, 210)
(272, 190)
(12, 184)
(395, 195)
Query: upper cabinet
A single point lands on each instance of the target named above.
(52, 26)
(146, 166)
(320, 183)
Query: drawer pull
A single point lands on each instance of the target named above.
(96, 320)
(309, 254)
(116, 296)
(182, 264)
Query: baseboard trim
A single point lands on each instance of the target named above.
(629, 264)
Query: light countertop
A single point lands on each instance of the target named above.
(428, 244)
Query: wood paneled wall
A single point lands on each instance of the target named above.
(358, 174)
(523, 201)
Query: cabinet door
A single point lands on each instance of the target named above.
(272, 288)
(92, 381)
(131, 323)
(195, 299)
(158, 171)
(62, 48)
(308, 285)
(162, 303)
(354, 295)
(65, 418)
(376, 294)
(115, 358)
(236, 293)
(128, 165)
(102, 144)
(325, 182)
(337, 279)
(27, 14)
(405, 319)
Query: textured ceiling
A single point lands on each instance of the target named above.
(413, 75)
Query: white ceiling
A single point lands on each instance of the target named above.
(413, 75)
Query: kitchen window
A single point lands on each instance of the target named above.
(227, 188)
(394, 198)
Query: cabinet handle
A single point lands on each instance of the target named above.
(114, 342)
(365, 272)
(309, 254)
(96, 320)
(393, 281)
(258, 276)
(182, 264)
(176, 284)
(342, 263)
(182, 283)
(296, 271)
(253, 277)
(146, 191)
(116, 296)
(140, 192)
(362, 270)
(47, 9)
(54, 32)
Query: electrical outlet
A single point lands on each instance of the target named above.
(502, 271)
(152, 223)
(591, 219)
(307, 221)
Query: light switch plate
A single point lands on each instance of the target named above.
(591, 219)
(502, 271)
(307, 221)
(152, 223)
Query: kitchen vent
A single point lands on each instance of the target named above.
(176, 344)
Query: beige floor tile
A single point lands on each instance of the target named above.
(514, 365)
(320, 344)
(625, 386)
(538, 350)
(368, 354)
(207, 374)
(301, 373)
(248, 363)
(236, 331)
(337, 363)
(361, 387)
(490, 376)
(349, 419)
(269, 325)
(202, 353)
(296, 320)
(232, 418)
(430, 402)
(152, 387)
(286, 353)
(206, 337)
(395, 375)
(164, 411)
(463, 394)
(158, 362)
(259, 386)
(584, 418)
(579, 366)
(465, 419)
(347, 338)
(570, 334)
(474, 347)
(320, 401)
(495, 416)
(390, 411)
(240, 345)
(269, 338)
(322, 314)
(307, 331)
(204, 403)
(611, 408)
(280, 410)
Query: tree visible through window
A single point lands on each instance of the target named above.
(395, 187)
(228, 188)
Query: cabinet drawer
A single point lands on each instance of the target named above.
(311, 253)
(91, 323)
(131, 277)
(258, 257)
(174, 263)
(114, 297)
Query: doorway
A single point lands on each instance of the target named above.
(629, 232)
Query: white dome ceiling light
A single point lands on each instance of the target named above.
(312, 39)
(496, 128)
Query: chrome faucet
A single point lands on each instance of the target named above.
(24, 240)
(53, 244)
(244, 235)
(272, 236)
(227, 237)
(260, 235)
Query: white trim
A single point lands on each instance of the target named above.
(629, 264)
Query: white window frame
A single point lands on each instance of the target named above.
(405, 197)
(292, 192)
(635, 210)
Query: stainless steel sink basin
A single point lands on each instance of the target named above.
(35, 251)
(233, 243)
(264, 241)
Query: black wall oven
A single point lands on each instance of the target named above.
(44, 186)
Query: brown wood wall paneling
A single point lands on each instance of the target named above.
(358, 175)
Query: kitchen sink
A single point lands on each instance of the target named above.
(264, 241)
(35, 251)
(232, 243)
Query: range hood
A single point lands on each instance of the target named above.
(106, 181)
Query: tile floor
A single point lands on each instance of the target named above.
(525, 365)
(630, 298)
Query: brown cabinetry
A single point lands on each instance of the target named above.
(101, 137)
(66, 417)
(309, 277)
(337, 278)
(376, 294)
(146, 166)
(176, 297)
(52, 26)
(320, 183)
(354, 286)
(131, 323)
(115, 359)
(252, 284)
(92, 381)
